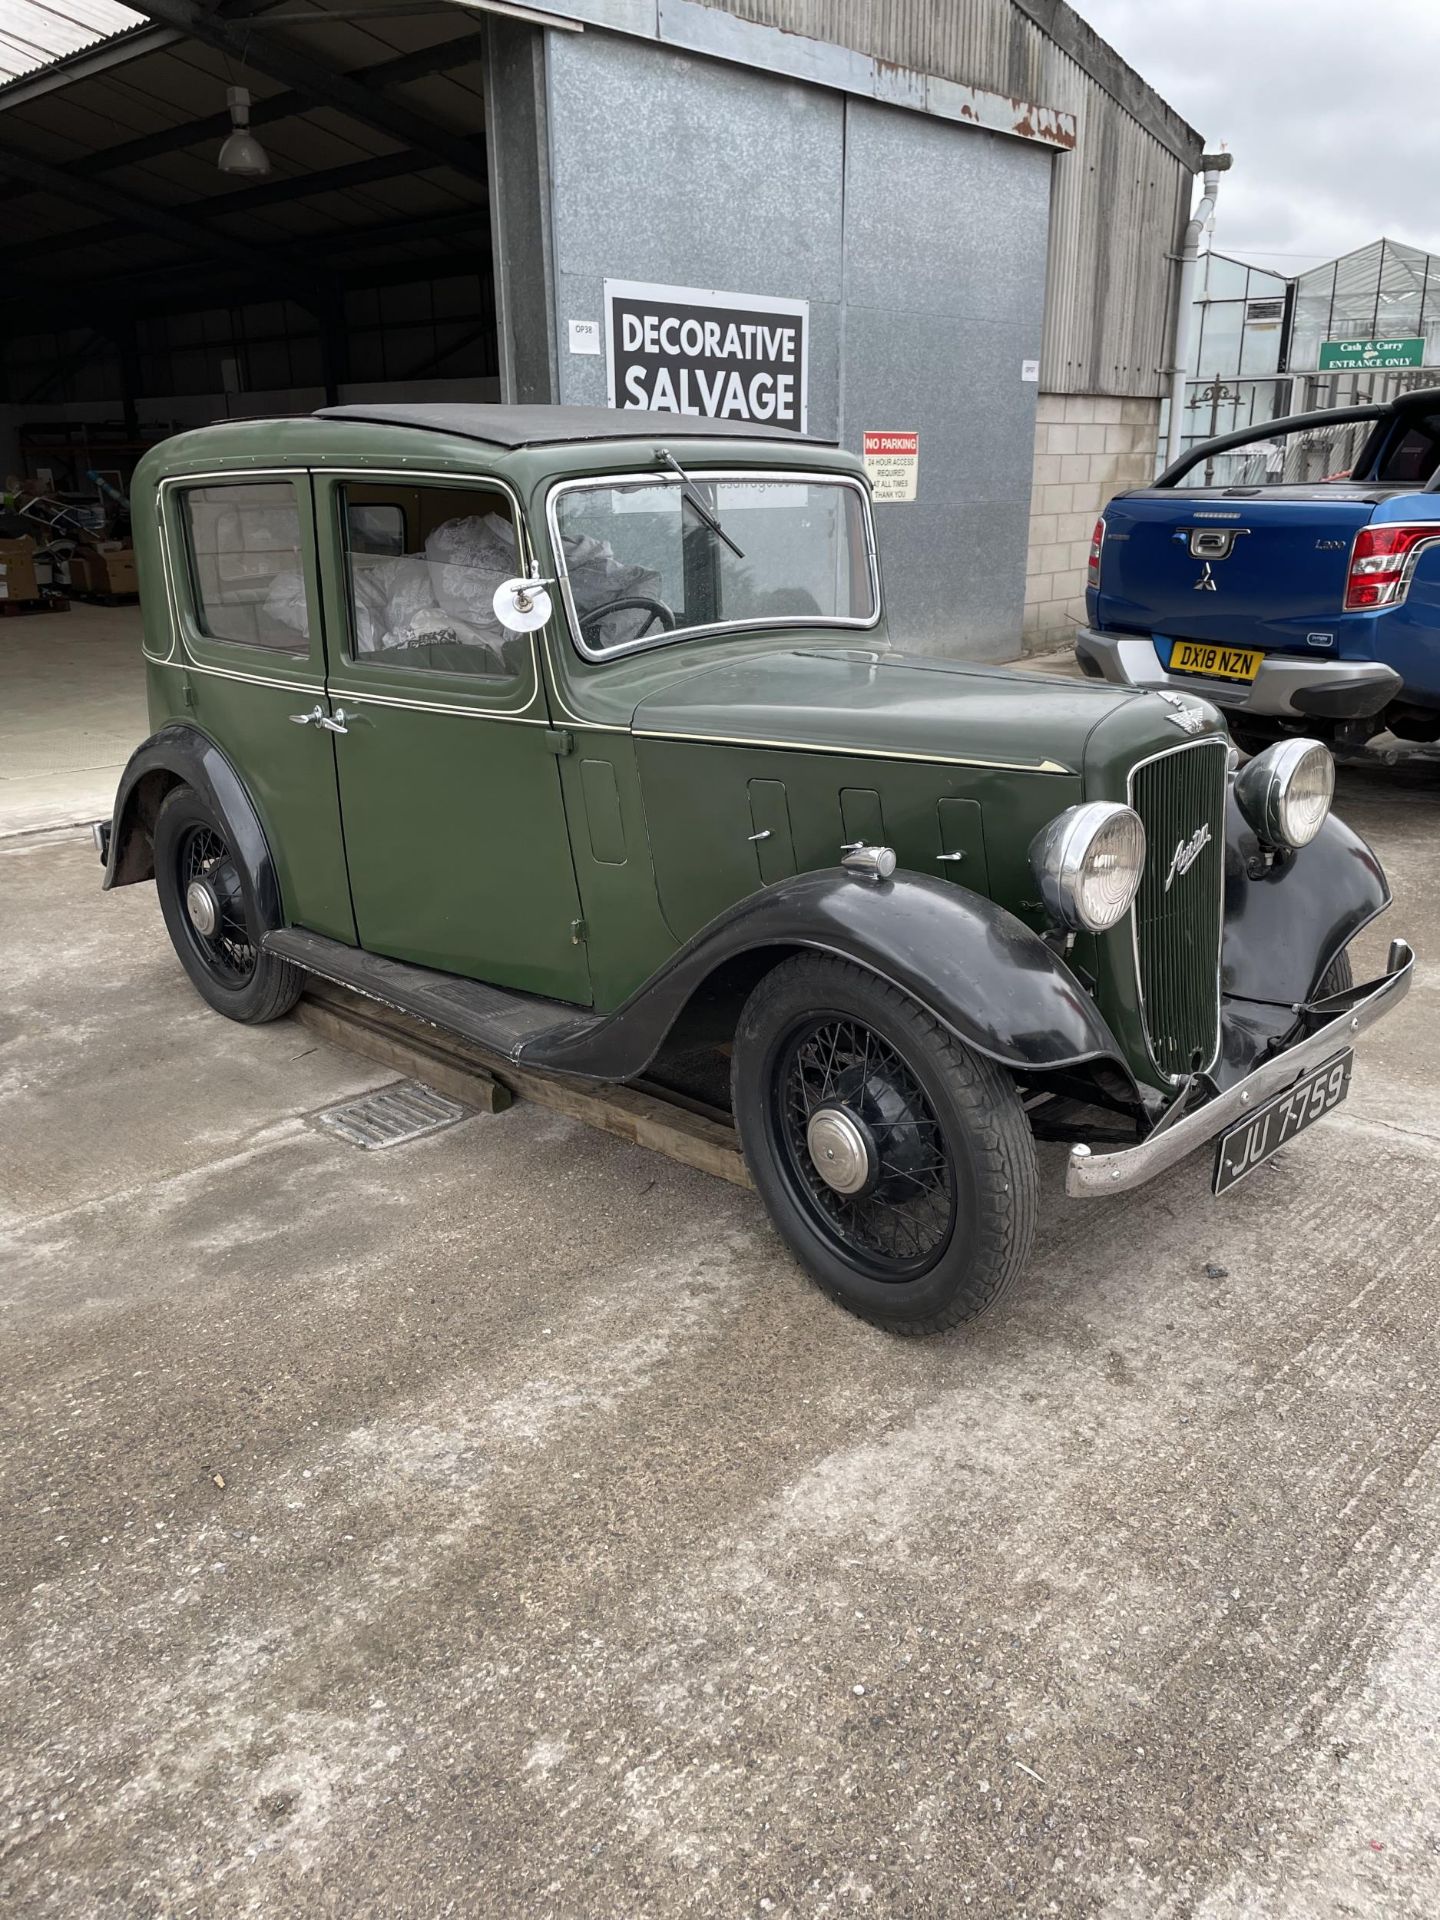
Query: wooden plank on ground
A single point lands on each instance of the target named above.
(488, 1081)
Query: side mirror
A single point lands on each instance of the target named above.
(521, 606)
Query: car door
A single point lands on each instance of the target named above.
(247, 636)
(455, 832)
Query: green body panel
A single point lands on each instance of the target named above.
(455, 829)
(699, 802)
(458, 848)
(288, 769)
(600, 793)
(640, 796)
(861, 701)
(290, 774)
(626, 935)
(962, 842)
(771, 835)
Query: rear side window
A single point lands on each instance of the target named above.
(1413, 456)
(246, 570)
(1295, 456)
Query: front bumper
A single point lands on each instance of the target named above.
(1179, 1132)
(1286, 684)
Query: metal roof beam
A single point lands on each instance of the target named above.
(435, 226)
(279, 106)
(57, 305)
(89, 63)
(248, 45)
(267, 262)
(270, 193)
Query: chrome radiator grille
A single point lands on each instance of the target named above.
(1179, 795)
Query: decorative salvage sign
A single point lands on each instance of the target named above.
(892, 461)
(1338, 355)
(724, 356)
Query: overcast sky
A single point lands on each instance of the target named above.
(1327, 105)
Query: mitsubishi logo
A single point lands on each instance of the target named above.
(1207, 544)
(1186, 854)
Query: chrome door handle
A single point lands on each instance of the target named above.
(332, 723)
(949, 856)
(305, 719)
(764, 834)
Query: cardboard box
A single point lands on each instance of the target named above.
(103, 570)
(17, 570)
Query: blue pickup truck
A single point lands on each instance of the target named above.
(1290, 573)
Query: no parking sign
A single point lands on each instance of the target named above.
(892, 460)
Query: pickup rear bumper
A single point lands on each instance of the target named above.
(1285, 685)
(1335, 1022)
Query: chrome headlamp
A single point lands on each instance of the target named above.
(1088, 863)
(1285, 792)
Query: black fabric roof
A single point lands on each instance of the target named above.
(546, 426)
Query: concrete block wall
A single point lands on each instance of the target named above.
(1088, 447)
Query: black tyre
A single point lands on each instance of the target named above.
(925, 1211)
(202, 897)
(1251, 737)
(1338, 977)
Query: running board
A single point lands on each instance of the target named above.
(502, 1022)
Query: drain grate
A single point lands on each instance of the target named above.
(393, 1115)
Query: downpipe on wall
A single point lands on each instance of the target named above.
(1212, 165)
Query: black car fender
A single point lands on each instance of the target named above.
(182, 755)
(1288, 916)
(976, 968)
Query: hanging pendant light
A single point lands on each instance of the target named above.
(242, 152)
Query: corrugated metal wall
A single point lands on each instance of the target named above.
(1118, 210)
(1120, 198)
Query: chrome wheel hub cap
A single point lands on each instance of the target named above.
(838, 1149)
(203, 909)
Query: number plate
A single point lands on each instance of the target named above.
(1252, 1141)
(1218, 663)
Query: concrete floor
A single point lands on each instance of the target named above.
(502, 1525)
(72, 711)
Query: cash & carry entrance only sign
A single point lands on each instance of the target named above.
(724, 356)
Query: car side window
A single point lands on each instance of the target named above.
(1412, 460)
(423, 563)
(246, 571)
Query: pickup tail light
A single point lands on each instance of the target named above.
(1097, 541)
(1382, 562)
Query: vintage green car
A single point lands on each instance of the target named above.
(578, 733)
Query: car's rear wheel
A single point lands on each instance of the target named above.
(896, 1162)
(202, 896)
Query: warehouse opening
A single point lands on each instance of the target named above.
(234, 211)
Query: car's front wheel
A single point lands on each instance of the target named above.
(202, 898)
(896, 1162)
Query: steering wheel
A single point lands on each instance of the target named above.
(641, 602)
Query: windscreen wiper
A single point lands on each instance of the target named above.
(696, 498)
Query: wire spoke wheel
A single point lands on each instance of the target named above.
(861, 1147)
(208, 883)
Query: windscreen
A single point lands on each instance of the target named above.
(650, 559)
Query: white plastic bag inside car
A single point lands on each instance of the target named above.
(468, 559)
